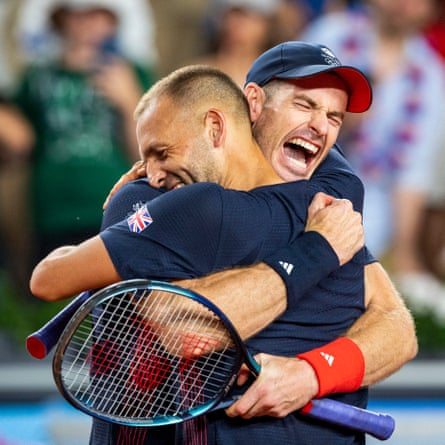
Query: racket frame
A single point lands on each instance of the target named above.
(242, 356)
(379, 425)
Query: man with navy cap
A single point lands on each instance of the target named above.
(277, 113)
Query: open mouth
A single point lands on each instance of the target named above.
(301, 151)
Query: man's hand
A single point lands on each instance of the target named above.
(136, 172)
(336, 220)
(283, 386)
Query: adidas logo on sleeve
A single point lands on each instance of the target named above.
(288, 267)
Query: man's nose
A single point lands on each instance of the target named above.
(155, 175)
(319, 122)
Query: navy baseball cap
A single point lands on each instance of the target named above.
(296, 60)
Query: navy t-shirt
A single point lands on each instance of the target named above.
(202, 228)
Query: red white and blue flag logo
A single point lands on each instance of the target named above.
(140, 220)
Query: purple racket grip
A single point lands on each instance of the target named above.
(379, 425)
(40, 343)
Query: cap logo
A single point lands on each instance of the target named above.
(329, 56)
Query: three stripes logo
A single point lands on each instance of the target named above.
(288, 267)
(328, 357)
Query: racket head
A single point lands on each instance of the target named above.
(147, 353)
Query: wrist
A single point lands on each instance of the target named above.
(303, 263)
(338, 365)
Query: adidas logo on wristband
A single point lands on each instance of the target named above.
(339, 366)
(328, 357)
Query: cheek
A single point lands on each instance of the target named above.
(266, 134)
(331, 137)
(266, 144)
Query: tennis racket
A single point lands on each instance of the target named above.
(41, 342)
(149, 353)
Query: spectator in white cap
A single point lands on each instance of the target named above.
(81, 108)
(34, 23)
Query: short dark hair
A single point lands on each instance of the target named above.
(193, 84)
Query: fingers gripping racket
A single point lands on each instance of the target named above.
(148, 353)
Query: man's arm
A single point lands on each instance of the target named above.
(236, 292)
(69, 270)
(251, 307)
(385, 334)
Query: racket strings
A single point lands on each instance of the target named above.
(185, 343)
(119, 379)
(148, 354)
(194, 430)
(96, 388)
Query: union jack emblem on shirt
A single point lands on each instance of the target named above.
(139, 220)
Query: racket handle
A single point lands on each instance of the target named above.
(40, 343)
(381, 426)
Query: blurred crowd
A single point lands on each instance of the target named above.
(71, 72)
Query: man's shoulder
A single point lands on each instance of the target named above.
(336, 177)
(282, 188)
(198, 194)
(334, 166)
(336, 160)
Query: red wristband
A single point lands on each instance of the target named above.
(339, 365)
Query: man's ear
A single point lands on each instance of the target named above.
(256, 98)
(215, 124)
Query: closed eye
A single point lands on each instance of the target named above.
(159, 153)
(336, 119)
(304, 106)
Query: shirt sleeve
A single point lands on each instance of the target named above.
(172, 236)
(336, 177)
(126, 199)
(193, 231)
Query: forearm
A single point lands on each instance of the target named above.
(385, 333)
(386, 339)
(118, 83)
(69, 270)
(126, 103)
(252, 297)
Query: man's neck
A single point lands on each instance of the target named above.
(250, 169)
